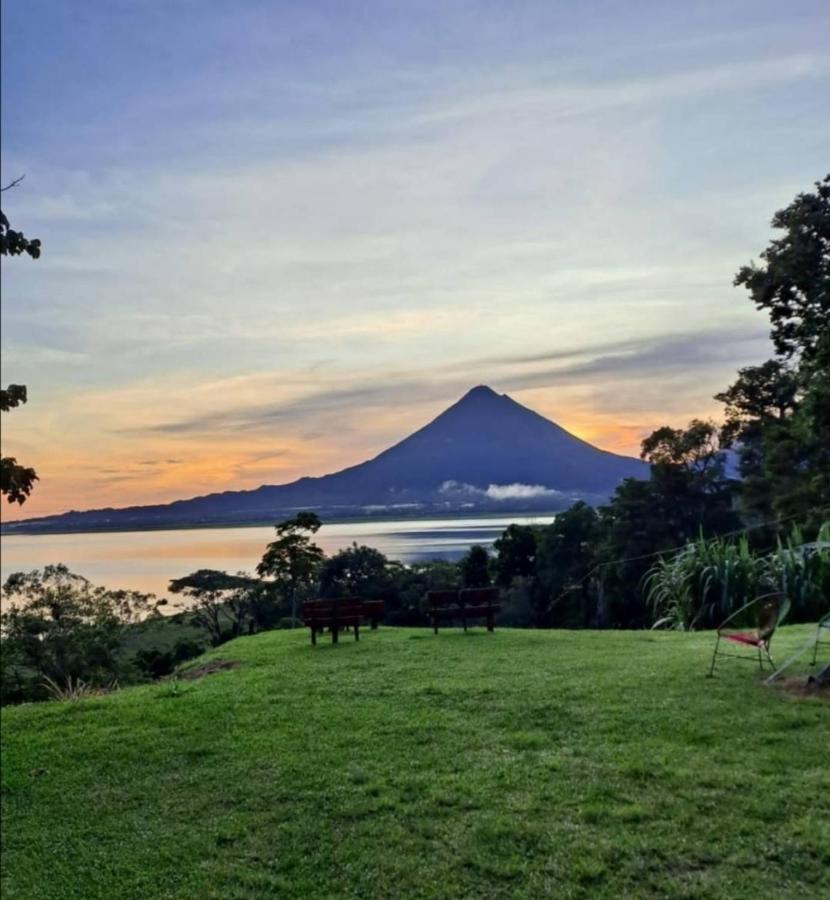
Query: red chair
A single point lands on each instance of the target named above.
(768, 611)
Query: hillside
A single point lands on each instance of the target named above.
(521, 764)
(485, 453)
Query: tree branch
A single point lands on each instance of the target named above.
(14, 183)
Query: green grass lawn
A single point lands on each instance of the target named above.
(517, 764)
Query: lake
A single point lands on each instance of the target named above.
(148, 560)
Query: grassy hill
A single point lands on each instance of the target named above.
(521, 764)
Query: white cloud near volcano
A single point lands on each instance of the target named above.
(519, 491)
(515, 491)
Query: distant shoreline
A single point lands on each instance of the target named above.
(34, 531)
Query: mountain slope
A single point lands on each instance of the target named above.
(482, 453)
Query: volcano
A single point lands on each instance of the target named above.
(485, 453)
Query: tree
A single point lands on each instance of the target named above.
(695, 450)
(293, 561)
(408, 585)
(687, 494)
(475, 568)
(776, 413)
(762, 394)
(564, 558)
(356, 571)
(16, 480)
(793, 285)
(59, 626)
(690, 490)
(516, 554)
(217, 598)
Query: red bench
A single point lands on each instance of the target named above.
(470, 603)
(339, 614)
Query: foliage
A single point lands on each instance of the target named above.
(73, 690)
(218, 599)
(669, 587)
(518, 764)
(356, 571)
(60, 627)
(16, 480)
(154, 662)
(15, 243)
(564, 559)
(801, 570)
(793, 285)
(778, 413)
(702, 584)
(475, 567)
(705, 582)
(694, 450)
(515, 554)
(762, 395)
(518, 604)
(403, 605)
(293, 560)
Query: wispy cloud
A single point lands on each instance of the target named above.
(612, 361)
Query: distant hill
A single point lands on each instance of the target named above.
(485, 453)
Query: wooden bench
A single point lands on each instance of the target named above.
(340, 614)
(470, 603)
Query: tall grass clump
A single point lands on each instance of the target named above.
(709, 579)
(668, 586)
(802, 572)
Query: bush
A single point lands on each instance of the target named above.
(61, 629)
(155, 663)
(517, 607)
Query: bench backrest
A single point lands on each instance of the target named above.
(329, 610)
(441, 599)
(466, 597)
(479, 596)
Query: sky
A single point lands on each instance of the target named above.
(278, 237)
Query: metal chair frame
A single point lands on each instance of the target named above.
(823, 624)
(778, 605)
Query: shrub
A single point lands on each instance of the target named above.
(59, 629)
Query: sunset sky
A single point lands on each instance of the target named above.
(278, 237)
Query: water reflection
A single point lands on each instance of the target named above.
(147, 560)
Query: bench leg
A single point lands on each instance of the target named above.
(313, 636)
(357, 632)
(334, 634)
(435, 624)
(491, 622)
(464, 618)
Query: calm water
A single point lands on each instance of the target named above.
(147, 560)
